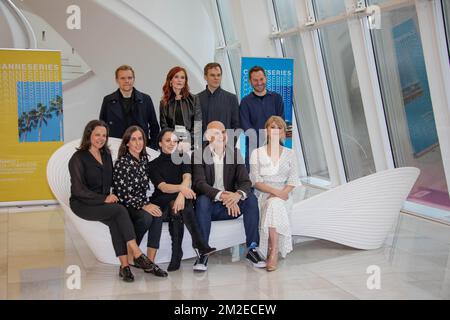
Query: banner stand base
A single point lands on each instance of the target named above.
(21, 204)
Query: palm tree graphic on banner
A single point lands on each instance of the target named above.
(38, 119)
(57, 108)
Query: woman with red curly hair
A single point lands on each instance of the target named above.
(179, 109)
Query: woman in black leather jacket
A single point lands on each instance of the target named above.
(179, 109)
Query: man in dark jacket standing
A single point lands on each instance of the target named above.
(127, 106)
(218, 104)
(258, 106)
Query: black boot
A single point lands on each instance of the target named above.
(176, 230)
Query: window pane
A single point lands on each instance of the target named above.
(328, 8)
(234, 55)
(346, 100)
(286, 14)
(226, 18)
(221, 56)
(371, 2)
(446, 8)
(408, 106)
(305, 111)
(231, 41)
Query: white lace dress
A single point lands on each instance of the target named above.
(274, 212)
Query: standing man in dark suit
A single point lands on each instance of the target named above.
(127, 106)
(218, 104)
(224, 192)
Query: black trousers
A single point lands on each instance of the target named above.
(143, 222)
(187, 215)
(115, 216)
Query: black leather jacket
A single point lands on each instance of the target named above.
(192, 114)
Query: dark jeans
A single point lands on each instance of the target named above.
(115, 216)
(143, 222)
(207, 210)
(187, 216)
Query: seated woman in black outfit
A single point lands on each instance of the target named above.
(173, 193)
(91, 178)
(131, 183)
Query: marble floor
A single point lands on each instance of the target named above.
(37, 246)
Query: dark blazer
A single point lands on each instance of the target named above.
(220, 106)
(235, 174)
(143, 113)
(191, 111)
(90, 181)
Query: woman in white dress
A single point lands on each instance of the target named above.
(274, 174)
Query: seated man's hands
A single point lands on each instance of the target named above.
(234, 210)
(230, 198)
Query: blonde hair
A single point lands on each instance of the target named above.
(124, 68)
(279, 122)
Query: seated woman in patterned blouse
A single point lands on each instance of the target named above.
(131, 185)
(273, 171)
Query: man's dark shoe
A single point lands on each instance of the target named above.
(125, 274)
(201, 264)
(254, 257)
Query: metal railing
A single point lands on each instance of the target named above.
(32, 40)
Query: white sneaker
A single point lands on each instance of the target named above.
(201, 264)
(254, 257)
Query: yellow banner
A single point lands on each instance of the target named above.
(31, 122)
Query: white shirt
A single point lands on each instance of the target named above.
(218, 175)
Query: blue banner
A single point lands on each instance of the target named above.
(280, 73)
(415, 90)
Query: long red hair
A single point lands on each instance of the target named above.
(168, 91)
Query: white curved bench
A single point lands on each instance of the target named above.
(358, 214)
(224, 234)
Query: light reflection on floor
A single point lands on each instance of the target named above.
(36, 247)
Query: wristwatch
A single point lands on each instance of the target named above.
(241, 193)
